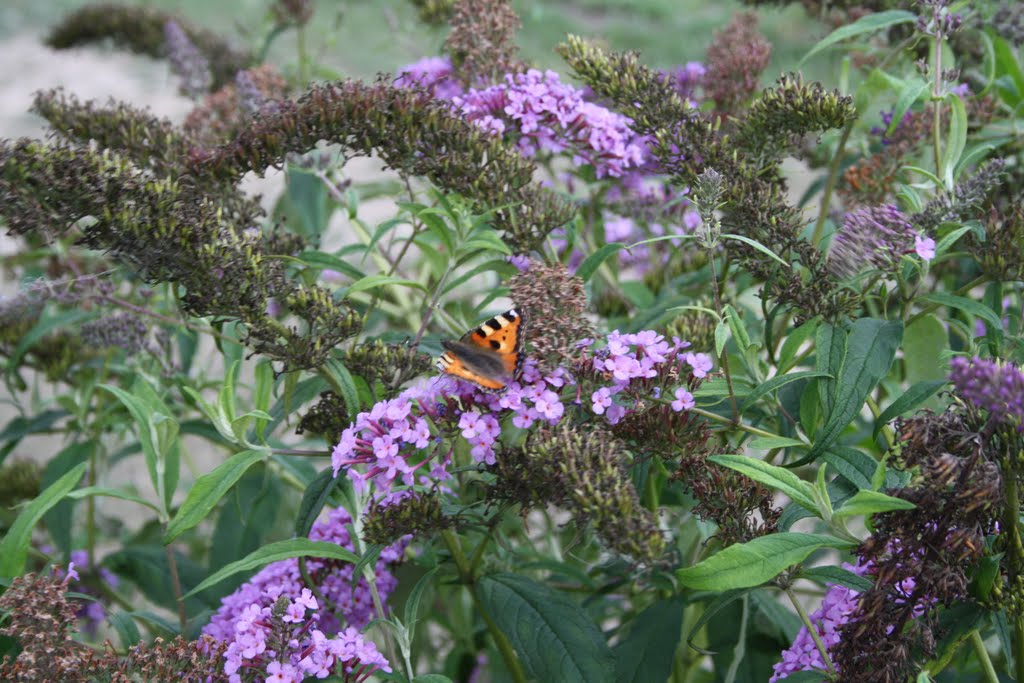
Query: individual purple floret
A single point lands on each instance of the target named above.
(877, 236)
(991, 385)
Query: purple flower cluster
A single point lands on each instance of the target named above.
(549, 115)
(879, 236)
(533, 397)
(685, 80)
(392, 438)
(836, 609)
(350, 605)
(435, 74)
(393, 441)
(637, 364)
(307, 651)
(991, 385)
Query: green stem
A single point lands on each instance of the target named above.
(986, 663)
(716, 293)
(1014, 555)
(172, 565)
(715, 417)
(831, 180)
(813, 630)
(303, 57)
(515, 668)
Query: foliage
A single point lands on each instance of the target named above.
(749, 435)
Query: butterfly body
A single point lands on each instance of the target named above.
(489, 356)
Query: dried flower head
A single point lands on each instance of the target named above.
(413, 134)
(878, 237)
(923, 557)
(297, 12)
(123, 331)
(584, 470)
(554, 302)
(141, 30)
(482, 41)
(225, 112)
(19, 480)
(735, 59)
(405, 514)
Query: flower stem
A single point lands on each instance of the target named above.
(172, 565)
(830, 184)
(1014, 555)
(813, 630)
(986, 663)
(515, 668)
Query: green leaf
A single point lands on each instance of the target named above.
(307, 203)
(324, 261)
(208, 491)
(828, 574)
(969, 306)
(756, 245)
(594, 261)
(316, 495)
(910, 93)
(957, 139)
(830, 347)
(925, 348)
(798, 490)
(721, 337)
(867, 24)
(765, 443)
(126, 629)
(794, 341)
(856, 467)
(342, 382)
(776, 382)
(14, 546)
(375, 281)
(739, 332)
(59, 520)
(870, 502)
(910, 399)
(412, 603)
(554, 638)
(870, 350)
(647, 653)
(111, 493)
(282, 550)
(749, 564)
(431, 678)
(1010, 78)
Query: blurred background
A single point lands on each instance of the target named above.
(361, 38)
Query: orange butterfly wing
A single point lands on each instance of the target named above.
(489, 356)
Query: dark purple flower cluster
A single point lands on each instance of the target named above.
(991, 385)
(243, 619)
(878, 236)
(636, 364)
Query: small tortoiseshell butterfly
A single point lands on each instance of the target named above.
(489, 356)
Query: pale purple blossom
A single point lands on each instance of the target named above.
(435, 74)
(548, 115)
(924, 247)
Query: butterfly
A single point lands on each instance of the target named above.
(490, 356)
